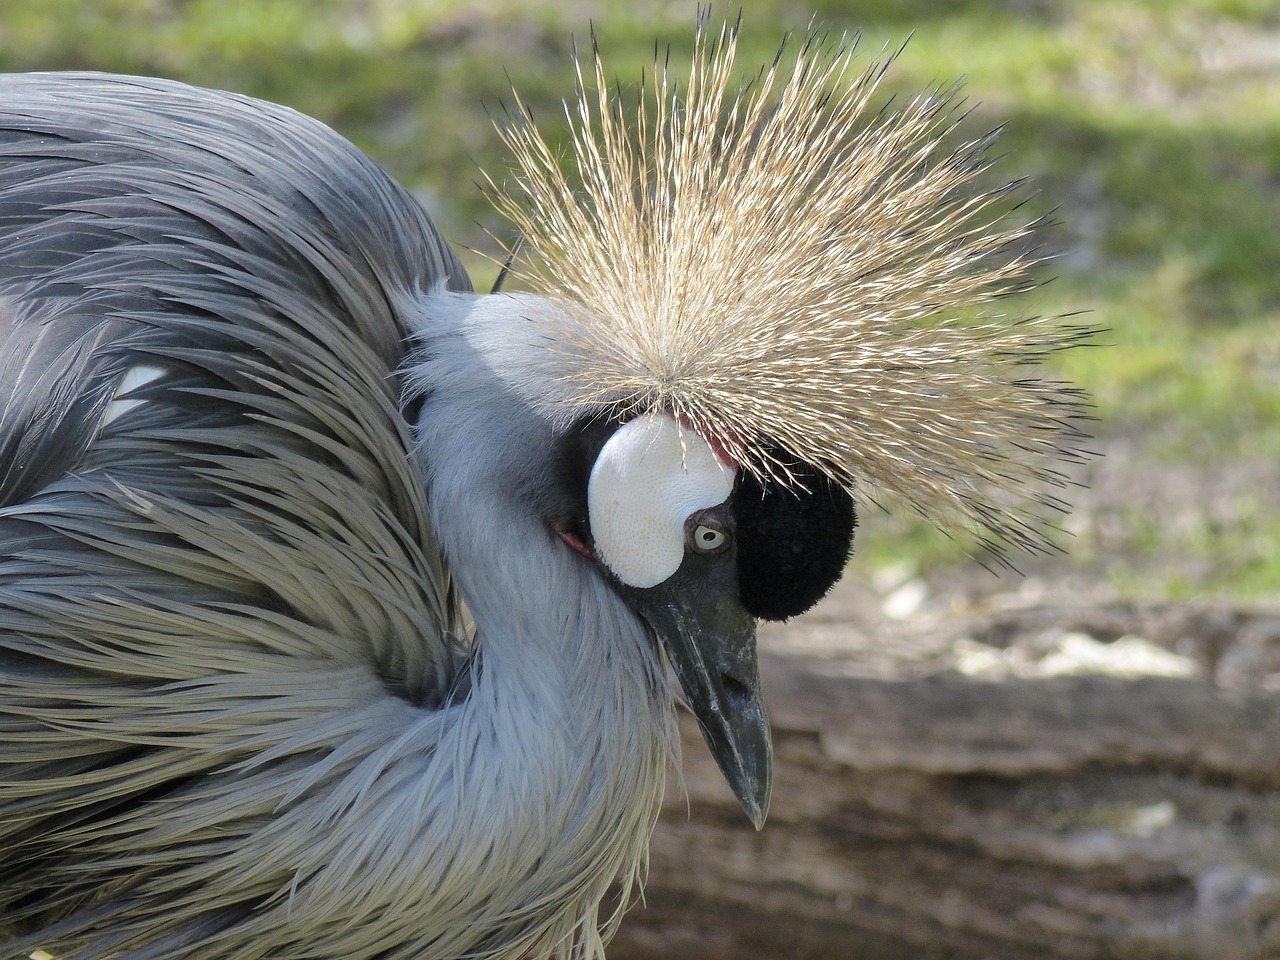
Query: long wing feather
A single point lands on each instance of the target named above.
(236, 542)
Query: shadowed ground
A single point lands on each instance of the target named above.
(1015, 776)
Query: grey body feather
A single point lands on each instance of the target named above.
(241, 714)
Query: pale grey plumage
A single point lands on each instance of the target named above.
(240, 713)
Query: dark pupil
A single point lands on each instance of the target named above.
(708, 536)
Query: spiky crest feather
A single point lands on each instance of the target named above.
(785, 265)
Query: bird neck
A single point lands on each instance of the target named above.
(557, 641)
(545, 780)
(567, 722)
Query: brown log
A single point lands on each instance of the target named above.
(1035, 782)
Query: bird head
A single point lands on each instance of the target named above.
(701, 551)
(751, 302)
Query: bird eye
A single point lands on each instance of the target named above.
(708, 539)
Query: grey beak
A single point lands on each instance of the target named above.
(711, 641)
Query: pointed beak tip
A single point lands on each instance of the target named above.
(753, 796)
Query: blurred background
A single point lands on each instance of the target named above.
(1150, 127)
(1081, 761)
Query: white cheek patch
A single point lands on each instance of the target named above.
(646, 481)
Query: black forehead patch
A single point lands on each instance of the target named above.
(793, 542)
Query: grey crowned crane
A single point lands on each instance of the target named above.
(336, 600)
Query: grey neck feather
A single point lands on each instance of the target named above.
(568, 715)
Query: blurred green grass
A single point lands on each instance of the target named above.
(1153, 127)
